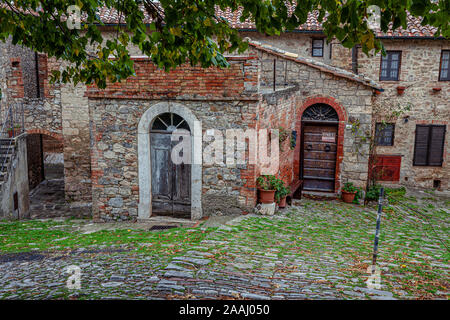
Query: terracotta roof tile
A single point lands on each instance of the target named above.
(414, 27)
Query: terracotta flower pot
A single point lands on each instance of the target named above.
(266, 196)
(348, 197)
(13, 132)
(282, 202)
(436, 89)
(400, 90)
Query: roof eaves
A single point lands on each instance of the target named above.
(316, 64)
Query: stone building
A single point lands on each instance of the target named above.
(296, 82)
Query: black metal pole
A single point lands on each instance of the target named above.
(377, 230)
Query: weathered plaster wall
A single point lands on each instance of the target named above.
(16, 182)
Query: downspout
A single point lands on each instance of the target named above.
(36, 66)
(355, 60)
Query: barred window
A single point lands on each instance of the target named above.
(384, 134)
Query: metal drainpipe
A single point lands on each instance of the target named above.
(36, 66)
(355, 60)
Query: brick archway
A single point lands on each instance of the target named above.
(55, 135)
(342, 114)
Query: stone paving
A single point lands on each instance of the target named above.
(315, 250)
(47, 201)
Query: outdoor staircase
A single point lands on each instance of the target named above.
(7, 151)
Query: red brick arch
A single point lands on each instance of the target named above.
(342, 114)
(55, 135)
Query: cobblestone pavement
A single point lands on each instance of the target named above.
(47, 201)
(316, 250)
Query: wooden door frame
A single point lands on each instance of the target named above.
(144, 157)
(302, 144)
(342, 114)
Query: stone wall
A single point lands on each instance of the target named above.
(219, 99)
(352, 101)
(419, 73)
(296, 42)
(115, 165)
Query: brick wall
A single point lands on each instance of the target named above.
(15, 79)
(279, 109)
(152, 83)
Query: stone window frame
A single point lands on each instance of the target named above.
(379, 140)
(448, 66)
(322, 47)
(144, 157)
(388, 56)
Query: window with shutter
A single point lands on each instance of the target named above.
(390, 66)
(429, 145)
(384, 134)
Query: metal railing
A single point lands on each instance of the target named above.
(12, 126)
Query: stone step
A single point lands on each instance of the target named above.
(5, 156)
(7, 142)
(319, 195)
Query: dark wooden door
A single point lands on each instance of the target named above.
(171, 183)
(319, 157)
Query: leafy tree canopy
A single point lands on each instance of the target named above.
(190, 30)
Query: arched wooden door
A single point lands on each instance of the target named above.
(171, 183)
(319, 148)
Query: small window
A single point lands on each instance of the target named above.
(169, 122)
(384, 134)
(390, 66)
(444, 73)
(317, 48)
(429, 145)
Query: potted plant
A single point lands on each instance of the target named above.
(281, 194)
(349, 192)
(266, 189)
(14, 132)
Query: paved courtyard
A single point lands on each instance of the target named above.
(313, 250)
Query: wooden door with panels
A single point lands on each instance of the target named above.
(319, 148)
(171, 183)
